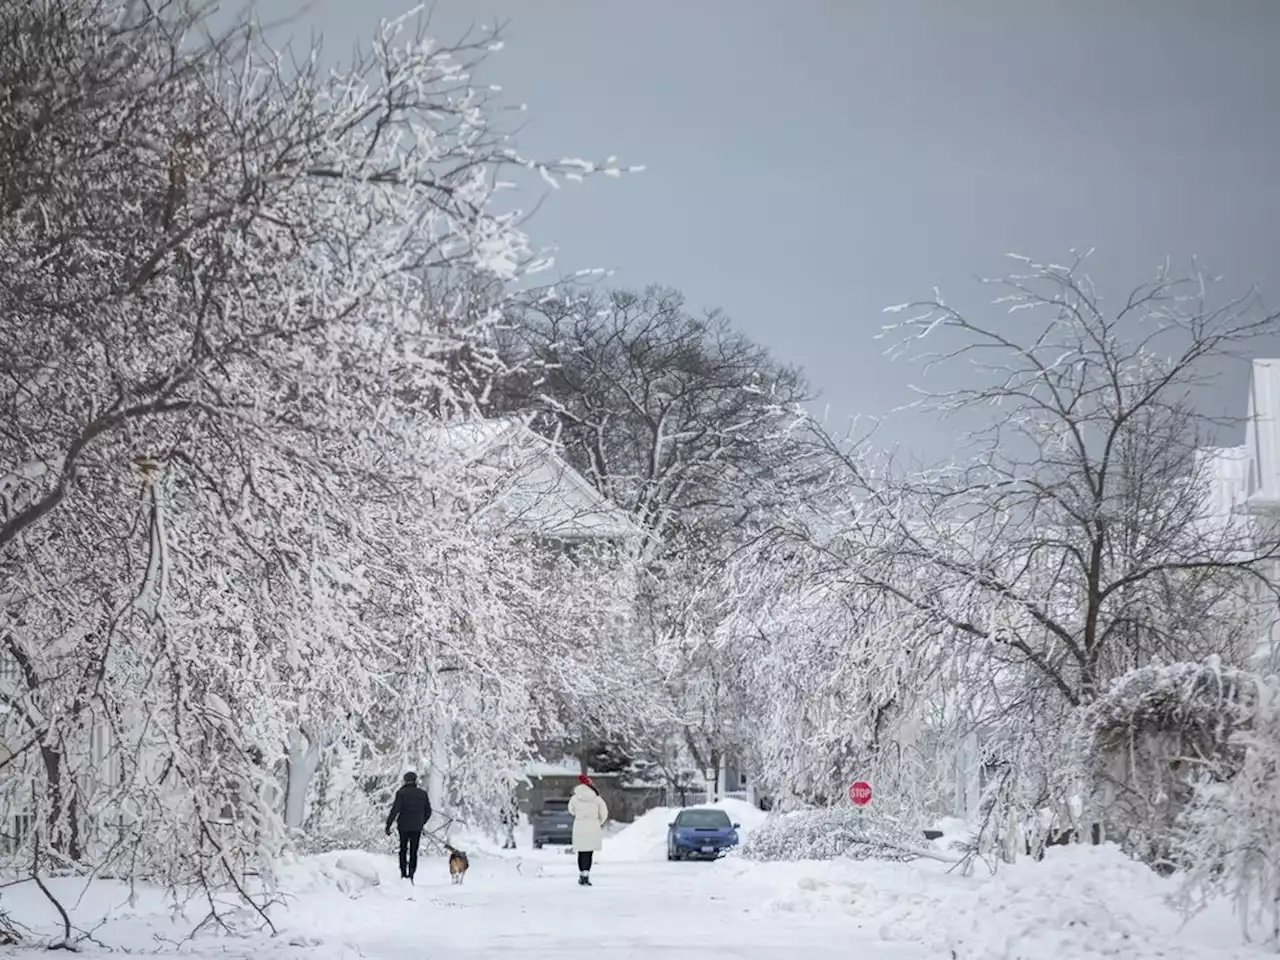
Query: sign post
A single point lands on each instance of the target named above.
(860, 793)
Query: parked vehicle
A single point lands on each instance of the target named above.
(701, 833)
(552, 824)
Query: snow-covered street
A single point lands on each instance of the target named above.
(635, 910)
(529, 906)
(1079, 904)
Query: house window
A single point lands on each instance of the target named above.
(742, 779)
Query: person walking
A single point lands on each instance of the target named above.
(510, 820)
(590, 813)
(410, 812)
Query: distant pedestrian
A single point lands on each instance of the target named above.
(410, 812)
(510, 819)
(590, 813)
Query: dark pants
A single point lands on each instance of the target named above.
(409, 840)
(584, 861)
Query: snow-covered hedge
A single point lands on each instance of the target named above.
(1230, 834)
(830, 832)
(1144, 743)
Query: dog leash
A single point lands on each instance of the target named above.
(448, 822)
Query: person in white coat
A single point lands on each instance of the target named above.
(589, 815)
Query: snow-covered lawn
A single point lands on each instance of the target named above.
(1079, 903)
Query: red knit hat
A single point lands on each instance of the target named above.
(583, 778)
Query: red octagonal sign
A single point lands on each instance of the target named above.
(860, 793)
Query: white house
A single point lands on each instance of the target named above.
(1244, 482)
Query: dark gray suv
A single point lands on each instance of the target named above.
(552, 824)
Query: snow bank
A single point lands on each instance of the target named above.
(1080, 902)
(646, 837)
(348, 871)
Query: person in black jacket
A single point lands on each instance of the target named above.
(410, 812)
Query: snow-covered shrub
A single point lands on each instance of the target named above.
(830, 832)
(1230, 834)
(356, 822)
(1145, 743)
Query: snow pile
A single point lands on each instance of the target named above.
(1080, 902)
(646, 837)
(833, 832)
(954, 829)
(348, 871)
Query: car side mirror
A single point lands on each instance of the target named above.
(671, 824)
(737, 826)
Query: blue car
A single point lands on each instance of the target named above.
(701, 833)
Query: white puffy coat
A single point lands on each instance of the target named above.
(589, 815)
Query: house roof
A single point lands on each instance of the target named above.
(539, 493)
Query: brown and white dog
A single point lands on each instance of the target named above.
(458, 864)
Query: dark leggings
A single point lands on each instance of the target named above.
(584, 861)
(409, 840)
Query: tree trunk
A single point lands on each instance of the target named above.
(302, 759)
(61, 824)
(439, 763)
(712, 775)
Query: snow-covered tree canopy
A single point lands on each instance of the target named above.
(237, 296)
(690, 427)
(1078, 538)
(828, 668)
(1075, 542)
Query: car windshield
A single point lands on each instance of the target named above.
(704, 819)
(555, 806)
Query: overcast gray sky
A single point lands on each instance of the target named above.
(810, 162)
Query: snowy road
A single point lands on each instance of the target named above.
(353, 907)
(634, 910)
(1082, 902)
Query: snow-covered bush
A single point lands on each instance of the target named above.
(829, 832)
(1146, 742)
(1229, 837)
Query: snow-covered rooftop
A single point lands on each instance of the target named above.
(540, 493)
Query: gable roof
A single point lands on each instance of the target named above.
(539, 492)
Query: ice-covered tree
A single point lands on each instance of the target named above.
(1075, 541)
(1070, 542)
(234, 295)
(827, 668)
(1229, 845)
(686, 424)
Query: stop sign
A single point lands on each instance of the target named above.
(860, 793)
